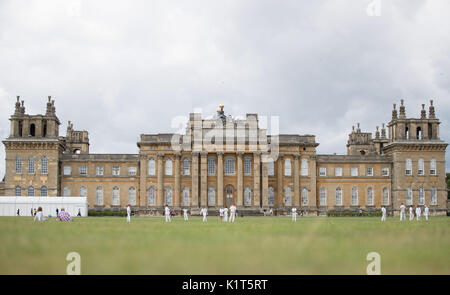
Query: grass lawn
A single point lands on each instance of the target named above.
(252, 245)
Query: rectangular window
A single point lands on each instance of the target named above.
(323, 171)
(421, 167)
(369, 171)
(433, 196)
(211, 166)
(67, 170)
(338, 171)
(18, 165)
(116, 170)
(385, 172)
(354, 171)
(44, 165)
(83, 170)
(271, 168)
(433, 167)
(421, 196)
(408, 167)
(409, 197)
(323, 196)
(99, 170)
(247, 165)
(31, 165)
(132, 171)
(304, 167)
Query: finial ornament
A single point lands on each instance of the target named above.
(431, 112)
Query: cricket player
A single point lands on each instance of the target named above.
(225, 214)
(204, 212)
(221, 214)
(383, 214)
(402, 212)
(128, 213)
(294, 214)
(167, 213)
(418, 212)
(425, 212)
(185, 215)
(411, 216)
(232, 213)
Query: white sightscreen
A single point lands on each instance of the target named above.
(9, 205)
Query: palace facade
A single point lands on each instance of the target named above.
(222, 161)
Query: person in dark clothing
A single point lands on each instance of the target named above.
(57, 211)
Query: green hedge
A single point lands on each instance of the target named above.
(352, 213)
(93, 212)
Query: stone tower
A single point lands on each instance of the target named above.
(418, 157)
(33, 150)
(77, 142)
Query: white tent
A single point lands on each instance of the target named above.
(9, 205)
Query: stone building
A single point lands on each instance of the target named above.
(222, 161)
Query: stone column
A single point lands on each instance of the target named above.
(265, 184)
(280, 193)
(177, 195)
(240, 180)
(142, 195)
(220, 179)
(194, 202)
(160, 190)
(296, 200)
(256, 179)
(203, 179)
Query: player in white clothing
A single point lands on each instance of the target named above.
(185, 214)
(383, 214)
(418, 212)
(221, 214)
(128, 213)
(294, 214)
(232, 213)
(402, 212)
(425, 212)
(167, 213)
(411, 215)
(204, 212)
(225, 214)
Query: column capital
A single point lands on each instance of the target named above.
(257, 154)
(239, 154)
(195, 154)
(160, 155)
(177, 155)
(296, 156)
(203, 154)
(220, 153)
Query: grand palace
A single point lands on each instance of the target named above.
(224, 160)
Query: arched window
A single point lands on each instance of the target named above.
(433, 196)
(433, 167)
(409, 200)
(151, 167)
(168, 196)
(354, 196)
(229, 165)
(338, 196)
(151, 196)
(31, 191)
(211, 166)
(169, 166)
(421, 167)
(18, 165)
(385, 196)
(211, 196)
(17, 191)
(31, 165)
(32, 130)
(406, 132)
(247, 165)
(44, 165)
(43, 191)
(305, 167)
(304, 196)
(287, 196)
(247, 196)
(323, 196)
(369, 197)
(186, 199)
(287, 167)
(99, 196)
(132, 196)
(229, 193)
(115, 196)
(66, 191)
(271, 168)
(419, 133)
(408, 168)
(186, 166)
(271, 200)
(83, 191)
(421, 196)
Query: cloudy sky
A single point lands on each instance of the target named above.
(122, 68)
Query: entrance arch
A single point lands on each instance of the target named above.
(229, 195)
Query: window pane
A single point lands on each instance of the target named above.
(31, 165)
(211, 166)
